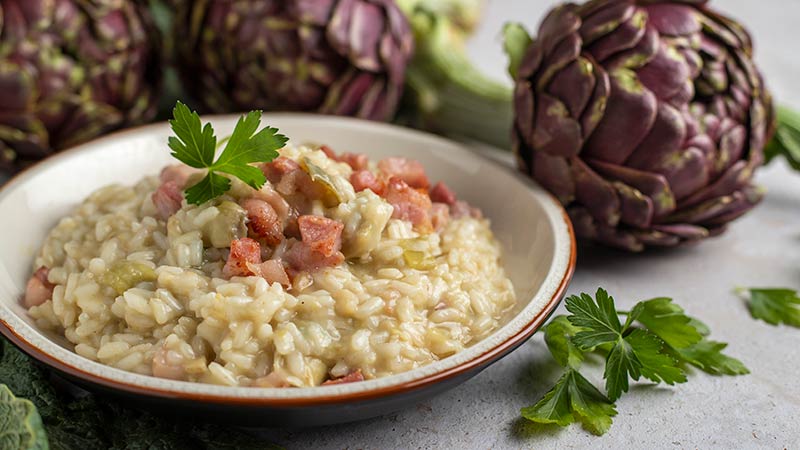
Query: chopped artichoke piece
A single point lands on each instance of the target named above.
(364, 218)
(338, 190)
(123, 275)
(230, 224)
(418, 260)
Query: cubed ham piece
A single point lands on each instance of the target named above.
(167, 199)
(272, 271)
(276, 201)
(289, 178)
(364, 179)
(351, 377)
(462, 209)
(442, 193)
(440, 215)
(177, 173)
(321, 234)
(243, 251)
(301, 258)
(409, 204)
(263, 221)
(38, 290)
(356, 161)
(408, 170)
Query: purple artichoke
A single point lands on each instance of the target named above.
(345, 57)
(645, 118)
(71, 70)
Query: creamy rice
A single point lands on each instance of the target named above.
(402, 298)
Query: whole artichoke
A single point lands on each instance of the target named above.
(646, 118)
(345, 57)
(71, 70)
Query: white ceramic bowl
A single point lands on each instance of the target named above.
(536, 236)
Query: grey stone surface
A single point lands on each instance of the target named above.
(760, 410)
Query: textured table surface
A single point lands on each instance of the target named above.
(760, 410)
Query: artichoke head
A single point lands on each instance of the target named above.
(71, 70)
(345, 57)
(646, 118)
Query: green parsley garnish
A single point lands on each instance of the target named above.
(656, 340)
(195, 145)
(774, 306)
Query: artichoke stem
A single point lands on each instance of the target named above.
(450, 95)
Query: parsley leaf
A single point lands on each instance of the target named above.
(558, 336)
(573, 398)
(707, 355)
(632, 355)
(599, 320)
(775, 306)
(655, 342)
(668, 321)
(195, 145)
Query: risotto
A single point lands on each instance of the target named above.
(338, 270)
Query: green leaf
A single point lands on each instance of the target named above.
(775, 306)
(621, 363)
(195, 144)
(555, 406)
(667, 320)
(598, 319)
(573, 398)
(20, 424)
(786, 141)
(639, 354)
(211, 186)
(707, 355)
(516, 41)
(592, 408)
(246, 146)
(558, 336)
(655, 365)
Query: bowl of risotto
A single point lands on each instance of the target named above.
(376, 266)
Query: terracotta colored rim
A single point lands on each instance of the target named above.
(482, 360)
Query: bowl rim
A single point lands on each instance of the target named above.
(476, 362)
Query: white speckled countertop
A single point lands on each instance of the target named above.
(760, 410)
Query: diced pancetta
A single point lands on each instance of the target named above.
(243, 251)
(364, 179)
(167, 199)
(351, 377)
(409, 204)
(39, 289)
(301, 258)
(356, 161)
(440, 215)
(408, 170)
(442, 193)
(321, 234)
(272, 271)
(263, 221)
(463, 209)
(289, 178)
(168, 364)
(177, 173)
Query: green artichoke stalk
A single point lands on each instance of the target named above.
(71, 70)
(345, 57)
(646, 118)
(447, 93)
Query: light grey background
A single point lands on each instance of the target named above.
(760, 410)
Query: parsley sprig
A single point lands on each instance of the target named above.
(656, 341)
(772, 305)
(195, 145)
